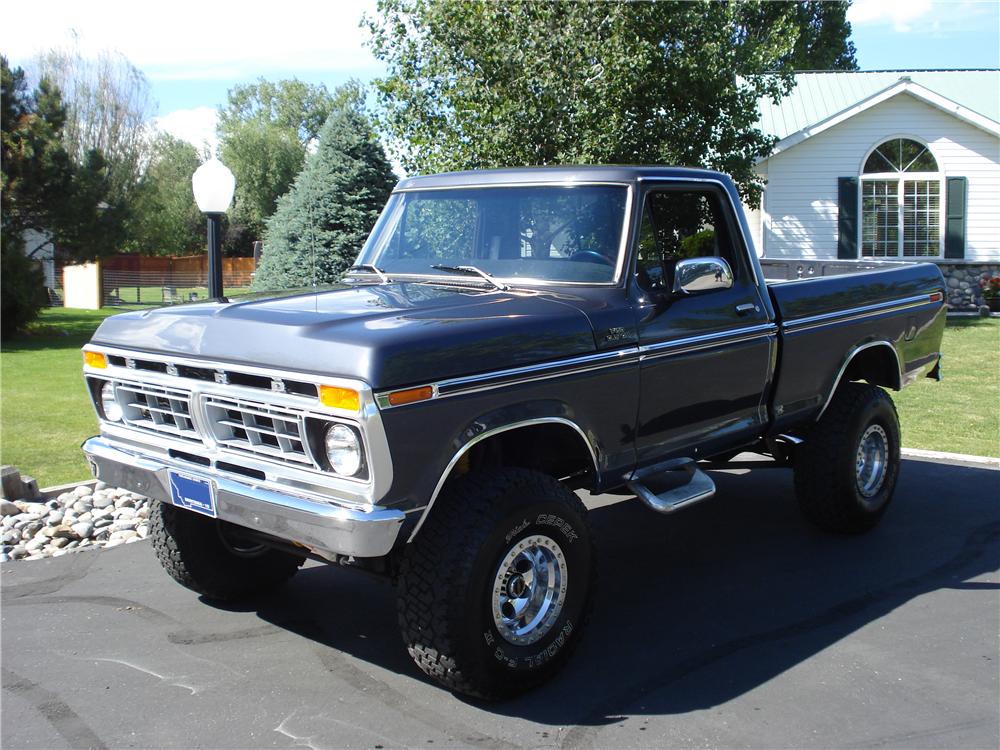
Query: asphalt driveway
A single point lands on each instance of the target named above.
(732, 624)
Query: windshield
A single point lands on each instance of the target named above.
(552, 233)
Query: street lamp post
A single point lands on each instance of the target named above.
(213, 185)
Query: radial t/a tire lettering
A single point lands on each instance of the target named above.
(496, 589)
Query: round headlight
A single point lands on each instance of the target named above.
(343, 450)
(109, 404)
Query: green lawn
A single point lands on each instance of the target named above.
(961, 414)
(158, 295)
(45, 414)
(44, 411)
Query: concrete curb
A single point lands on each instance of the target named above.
(952, 459)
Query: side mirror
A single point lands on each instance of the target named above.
(698, 275)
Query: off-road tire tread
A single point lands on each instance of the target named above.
(191, 553)
(822, 495)
(445, 551)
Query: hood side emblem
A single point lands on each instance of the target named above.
(221, 377)
(130, 363)
(172, 370)
(277, 385)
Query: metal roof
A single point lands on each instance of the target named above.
(818, 96)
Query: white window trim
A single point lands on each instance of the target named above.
(940, 177)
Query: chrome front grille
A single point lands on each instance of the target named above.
(259, 429)
(157, 409)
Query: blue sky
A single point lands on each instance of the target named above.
(192, 52)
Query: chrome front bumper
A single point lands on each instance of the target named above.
(327, 529)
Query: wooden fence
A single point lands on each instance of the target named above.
(139, 279)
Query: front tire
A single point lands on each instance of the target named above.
(496, 589)
(846, 472)
(207, 555)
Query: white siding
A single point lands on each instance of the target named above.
(800, 203)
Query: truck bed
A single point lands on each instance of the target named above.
(846, 307)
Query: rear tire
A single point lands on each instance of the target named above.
(496, 589)
(846, 471)
(206, 555)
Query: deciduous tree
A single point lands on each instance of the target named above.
(476, 84)
(265, 131)
(108, 109)
(165, 219)
(44, 189)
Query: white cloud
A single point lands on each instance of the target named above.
(900, 13)
(188, 39)
(196, 126)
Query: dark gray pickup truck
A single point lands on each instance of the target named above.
(506, 338)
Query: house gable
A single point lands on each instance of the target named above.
(799, 216)
(903, 86)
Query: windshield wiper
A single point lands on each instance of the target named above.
(472, 270)
(383, 279)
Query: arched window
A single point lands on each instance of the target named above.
(901, 201)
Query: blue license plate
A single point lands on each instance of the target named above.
(192, 493)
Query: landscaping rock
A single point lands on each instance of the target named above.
(85, 517)
(7, 508)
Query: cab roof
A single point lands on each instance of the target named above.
(560, 175)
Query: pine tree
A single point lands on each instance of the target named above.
(321, 223)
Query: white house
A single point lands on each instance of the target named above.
(886, 165)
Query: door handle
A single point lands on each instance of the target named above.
(746, 308)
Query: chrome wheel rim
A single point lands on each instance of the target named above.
(529, 590)
(872, 461)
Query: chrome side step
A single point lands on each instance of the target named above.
(698, 487)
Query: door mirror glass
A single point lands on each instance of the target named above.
(699, 275)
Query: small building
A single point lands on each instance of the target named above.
(897, 165)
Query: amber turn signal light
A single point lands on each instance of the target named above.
(95, 359)
(339, 398)
(398, 398)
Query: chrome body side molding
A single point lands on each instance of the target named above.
(585, 363)
(856, 313)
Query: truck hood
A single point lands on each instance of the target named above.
(388, 335)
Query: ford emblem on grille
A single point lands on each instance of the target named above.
(278, 385)
(172, 370)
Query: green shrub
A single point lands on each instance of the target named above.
(22, 291)
(320, 225)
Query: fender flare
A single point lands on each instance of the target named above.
(850, 358)
(488, 426)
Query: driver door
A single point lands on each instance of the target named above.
(705, 355)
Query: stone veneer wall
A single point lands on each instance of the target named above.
(962, 280)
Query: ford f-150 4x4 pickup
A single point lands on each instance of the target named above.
(506, 338)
